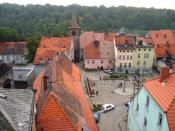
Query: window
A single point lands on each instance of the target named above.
(131, 57)
(123, 57)
(88, 61)
(139, 49)
(146, 55)
(20, 76)
(120, 64)
(127, 57)
(125, 64)
(144, 63)
(93, 61)
(144, 49)
(138, 55)
(129, 64)
(149, 49)
(128, 51)
(120, 57)
(138, 62)
(101, 61)
(123, 51)
(145, 121)
(110, 61)
(120, 51)
(147, 101)
(137, 107)
(160, 119)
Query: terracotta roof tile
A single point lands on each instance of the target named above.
(163, 38)
(13, 47)
(53, 118)
(56, 42)
(121, 39)
(69, 94)
(164, 95)
(45, 54)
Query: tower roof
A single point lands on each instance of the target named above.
(74, 23)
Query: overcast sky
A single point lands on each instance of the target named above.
(169, 4)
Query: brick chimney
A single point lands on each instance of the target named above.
(164, 73)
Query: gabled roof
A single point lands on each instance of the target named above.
(53, 117)
(17, 106)
(121, 39)
(69, 94)
(56, 42)
(4, 68)
(164, 39)
(46, 54)
(12, 48)
(164, 95)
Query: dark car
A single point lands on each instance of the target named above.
(96, 116)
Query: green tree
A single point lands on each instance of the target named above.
(8, 35)
(32, 45)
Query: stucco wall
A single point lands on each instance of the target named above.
(97, 63)
(149, 60)
(136, 118)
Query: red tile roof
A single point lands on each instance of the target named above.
(53, 117)
(121, 39)
(37, 84)
(70, 98)
(45, 54)
(49, 47)
(92, 51)
(56, 42)
(163, 38)
(164, 95)
(86, 38)
(110, 36)
(13, 47)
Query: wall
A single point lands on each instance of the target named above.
(9, 58)
(149, 60)
(97, 63)
(136, 118)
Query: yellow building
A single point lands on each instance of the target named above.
(132, 57)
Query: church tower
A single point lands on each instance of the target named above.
(75, 34)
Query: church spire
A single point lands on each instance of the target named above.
(74, 23)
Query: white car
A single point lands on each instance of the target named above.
(108, 71)
(108, 107)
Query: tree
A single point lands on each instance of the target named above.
(8, 35)
(32, 45)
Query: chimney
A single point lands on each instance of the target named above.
(164, 73)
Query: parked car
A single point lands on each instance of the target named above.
(108, 71)
(108, 107)
(96, 116)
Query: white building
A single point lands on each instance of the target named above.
(12, 52)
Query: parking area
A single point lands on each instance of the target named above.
(109, 92)
(109, 121)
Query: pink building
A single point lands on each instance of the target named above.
(98, 50)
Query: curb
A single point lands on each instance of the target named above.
(122, 128)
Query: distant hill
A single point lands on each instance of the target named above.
(53, 20)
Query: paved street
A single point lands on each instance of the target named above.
(109, 121)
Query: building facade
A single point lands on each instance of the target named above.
(13, 52)
(153, 106)
(132, 57)
(145, 117)
(98, 50)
